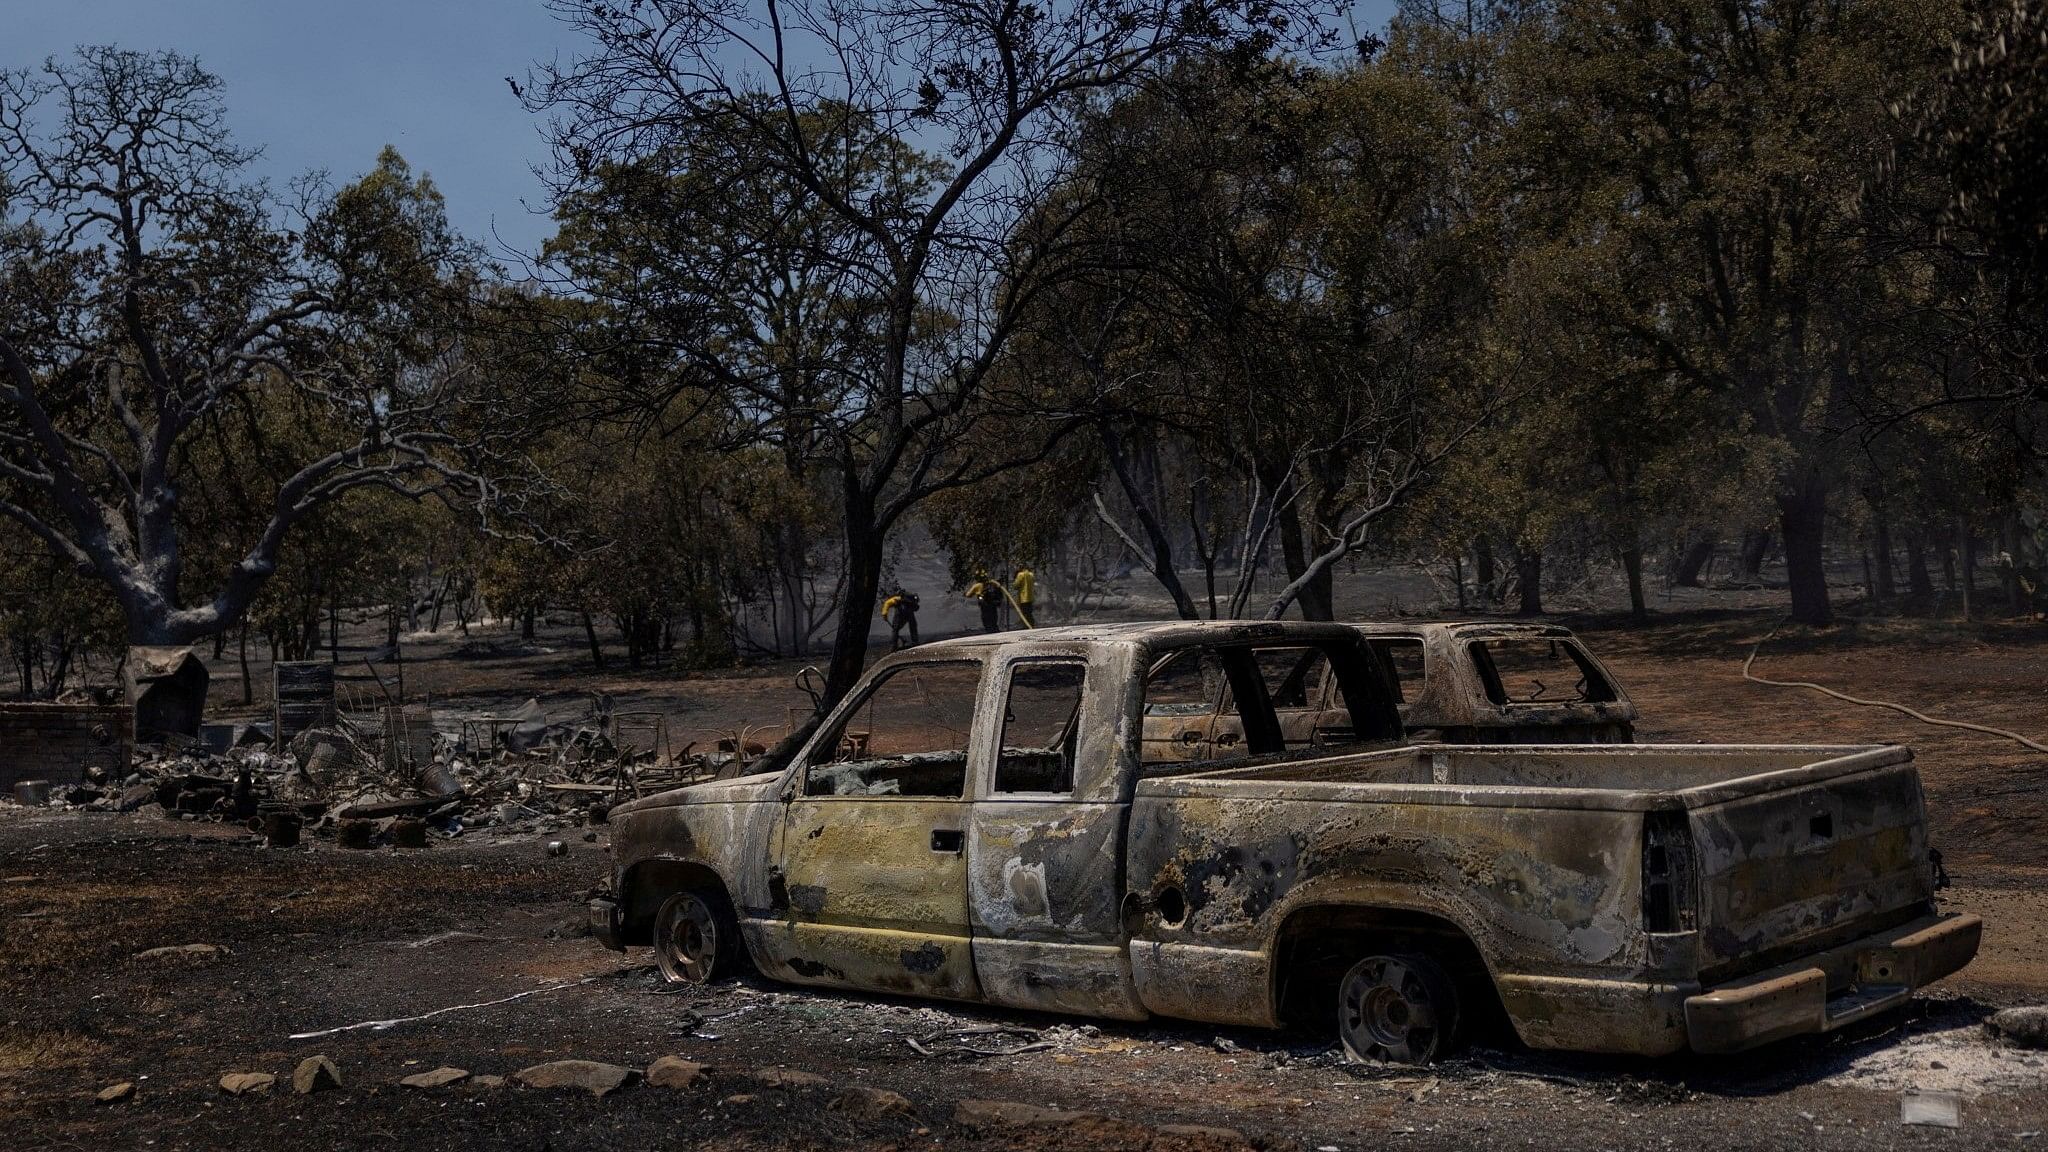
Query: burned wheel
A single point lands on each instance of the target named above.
(1402, 1009)
(696, 938)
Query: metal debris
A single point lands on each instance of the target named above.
(400, 774)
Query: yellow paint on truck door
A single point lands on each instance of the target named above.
(873, 883)
(878, 894)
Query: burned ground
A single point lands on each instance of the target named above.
(322, 938)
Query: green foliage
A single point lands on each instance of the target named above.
(1583, 277)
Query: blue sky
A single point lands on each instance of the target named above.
(323, 84)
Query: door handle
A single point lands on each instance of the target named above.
(948, 840)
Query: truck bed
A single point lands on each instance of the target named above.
(1755, 852)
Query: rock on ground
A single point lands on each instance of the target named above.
(1011, 1114)
(1093, 1128)
(787, 1078)
(1202, 1133)
(315, 1074)
(873, 1103)
(676, 1072)
(116, 1092)
(188, 953)
(588, 1075)
(2027, 1027)
(242, 1083)
(438, 1078)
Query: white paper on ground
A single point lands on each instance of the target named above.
(1933, 1109)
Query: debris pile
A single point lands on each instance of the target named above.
(399, 777)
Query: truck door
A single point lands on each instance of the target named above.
(873, 884)
(1045, 847)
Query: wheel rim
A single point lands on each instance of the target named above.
(687, 941)
(1388, 1011)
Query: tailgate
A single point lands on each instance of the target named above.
(1823, 858)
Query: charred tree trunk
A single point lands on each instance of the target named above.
(1881, 541)
(596, 649)
(526, 624)
(61, 649)
(1692, 563)
(1756, 548)
(793, 547)
(1205, 549)
(2009, 561)
(1318, 596)
(25, 667)
(1802, 517)
(1919, 585)
(863, 584)
(1529, 580)
(1482, 565)
(1315, 595)
(1632, 564)
(1966, 559)
(242, 656)
(1160, 562)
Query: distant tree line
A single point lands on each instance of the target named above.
(1519, 291)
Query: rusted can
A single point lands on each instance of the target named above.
(355, 833)
(408, 833)
(440, 781)
(281, 824)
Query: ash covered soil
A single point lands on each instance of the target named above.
(321, 938)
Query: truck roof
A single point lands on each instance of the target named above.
(1155, 632)
(1458, 628)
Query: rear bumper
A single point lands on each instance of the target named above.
(604, 923)
(1867, 975)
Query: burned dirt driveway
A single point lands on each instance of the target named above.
(314, 940)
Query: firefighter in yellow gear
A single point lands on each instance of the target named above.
(988, 591)
(899, 611)
(1026, 585)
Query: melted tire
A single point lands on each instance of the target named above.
(696, 938)
(1398, 1009)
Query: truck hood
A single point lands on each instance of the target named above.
(736, 791)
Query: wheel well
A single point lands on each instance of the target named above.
(648, 883)
(1317, 945)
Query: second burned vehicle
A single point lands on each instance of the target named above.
(1473, 683)
(999, 819)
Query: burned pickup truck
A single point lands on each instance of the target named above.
(989, 819)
